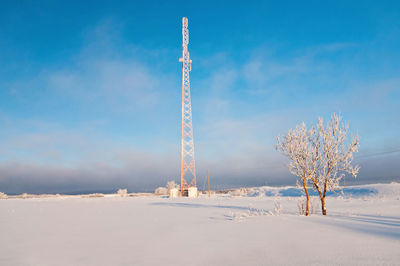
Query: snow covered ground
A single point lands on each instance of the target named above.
(362, 228)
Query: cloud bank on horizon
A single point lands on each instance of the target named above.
(91, 102)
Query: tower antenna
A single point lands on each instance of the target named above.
(188, 166)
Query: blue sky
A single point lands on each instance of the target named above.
(89, 92)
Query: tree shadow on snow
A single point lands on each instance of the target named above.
(384, 226)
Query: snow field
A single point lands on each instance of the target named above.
(221, 230)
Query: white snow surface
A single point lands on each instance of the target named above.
(220, 230)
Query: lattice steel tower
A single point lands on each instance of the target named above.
(188, 166)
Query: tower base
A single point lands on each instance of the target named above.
(192, 192)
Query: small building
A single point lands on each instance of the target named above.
(192, 192)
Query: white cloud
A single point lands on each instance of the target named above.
(118, 85)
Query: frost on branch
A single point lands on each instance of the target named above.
(296, 145)
(321, 156)
(334, 155)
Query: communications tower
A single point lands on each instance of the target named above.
(188, 166)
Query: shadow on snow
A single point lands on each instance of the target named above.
(383, 226)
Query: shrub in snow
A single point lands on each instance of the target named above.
(93, 195)
(96, 195)
(277, 207)
(122, 192)
(161, 191)
(251, 212)
(314, 205)
(238, 192)
(301, 206)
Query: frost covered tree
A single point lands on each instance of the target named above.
(171, 185)
(333, 156)
(321, 156)
(297, 147)
(122, 192)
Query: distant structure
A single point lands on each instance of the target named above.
(188, 166)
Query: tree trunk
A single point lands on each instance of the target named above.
(308, 199)
(323, 206)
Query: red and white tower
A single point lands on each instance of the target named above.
(188, 166)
